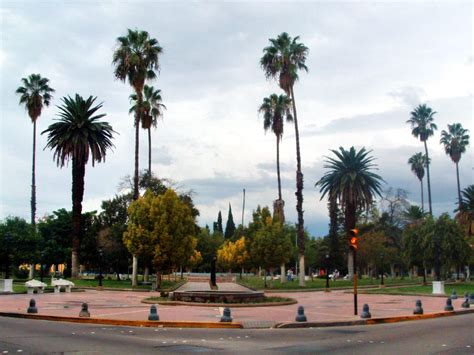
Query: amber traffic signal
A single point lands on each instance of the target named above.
(354, 239)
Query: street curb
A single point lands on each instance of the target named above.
(131, 323)
(372, 321)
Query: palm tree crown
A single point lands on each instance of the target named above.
(455, 141)
(79, 134)
(152, 106)
(421, 121)
(136, 57)
(35, 93)
(283, 58)
(350, 179)
(275, 109)
(417, 163)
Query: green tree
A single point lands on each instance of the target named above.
(208, 244)
(275, 109)
(417, 163)
(230, 225)
(34, 94)
(282, 60)
(352, 183)
(271, 246)
(455, 141)
(76, 135)
(218, 225)
(466, 215)
(152, 110)
(423, 127)
(135, 60)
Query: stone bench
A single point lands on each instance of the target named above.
(34, 285)
(57, 284)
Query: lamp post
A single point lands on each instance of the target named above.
(327, 272)
(100, 267)
(381, 262)
(41, 265)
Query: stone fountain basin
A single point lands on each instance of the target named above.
(218, 296)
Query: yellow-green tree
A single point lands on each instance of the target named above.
(233, 255)
(162, 228)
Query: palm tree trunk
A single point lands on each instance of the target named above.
(422, 196)
(137, 140)
(33, 181)
(428, 177)
(134, 271)
(459, 187)
(149, 151)
(278, 167)
(299, 195)
(350, 222)
(78, 172)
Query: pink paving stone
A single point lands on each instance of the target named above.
(319, 306)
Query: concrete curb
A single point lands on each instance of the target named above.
(231, 305)
(131, 323)
(372, 321)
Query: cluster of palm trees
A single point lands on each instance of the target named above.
(76, 135)
(455, 140)
(282, 60)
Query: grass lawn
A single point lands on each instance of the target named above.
(258, 283)
(460, 288)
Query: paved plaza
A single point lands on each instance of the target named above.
(126, 305)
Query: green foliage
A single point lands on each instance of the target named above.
(162, 228)
(35, 93)
(230, 225)
(17, 242)
(208, 244)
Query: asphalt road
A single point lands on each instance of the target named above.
(449, 335)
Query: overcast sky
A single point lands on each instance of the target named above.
(370, 64)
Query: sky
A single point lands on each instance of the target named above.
(370, 64)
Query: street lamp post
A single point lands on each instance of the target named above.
(327, 272)
(100, 267)
(381, 262)
(41, 265)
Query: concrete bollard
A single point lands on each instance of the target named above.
(226, 317)
(449, 305)
(84, 313)
(153, 313)
(365, 312)
(454, 295)
(32, 308)
(301, 317)
(418, 308)
(465, 304)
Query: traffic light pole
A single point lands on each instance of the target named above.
(355, 281)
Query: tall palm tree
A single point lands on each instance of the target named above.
(76, 135)
(152, 110)
(455, 141)
(423, 127)
(136, 59)
(275, 109)
(418, 162)
(350, 181)
(465, 213)
(282, 60)
(34, 94)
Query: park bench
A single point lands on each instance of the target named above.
(57, 284)
(34, 285)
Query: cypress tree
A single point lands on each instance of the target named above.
(219, 223)
(230, 225)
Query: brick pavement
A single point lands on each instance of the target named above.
(319, 306)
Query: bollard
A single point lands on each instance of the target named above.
(226, 315)
(465, 304)
(471, 298)
(454, 295)
(365, 312)
(449, 305)
(300, 317)
(418, 308)
(153, 313)
(84, 311)
(32, 308)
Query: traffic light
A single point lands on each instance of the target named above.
(354, 239)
